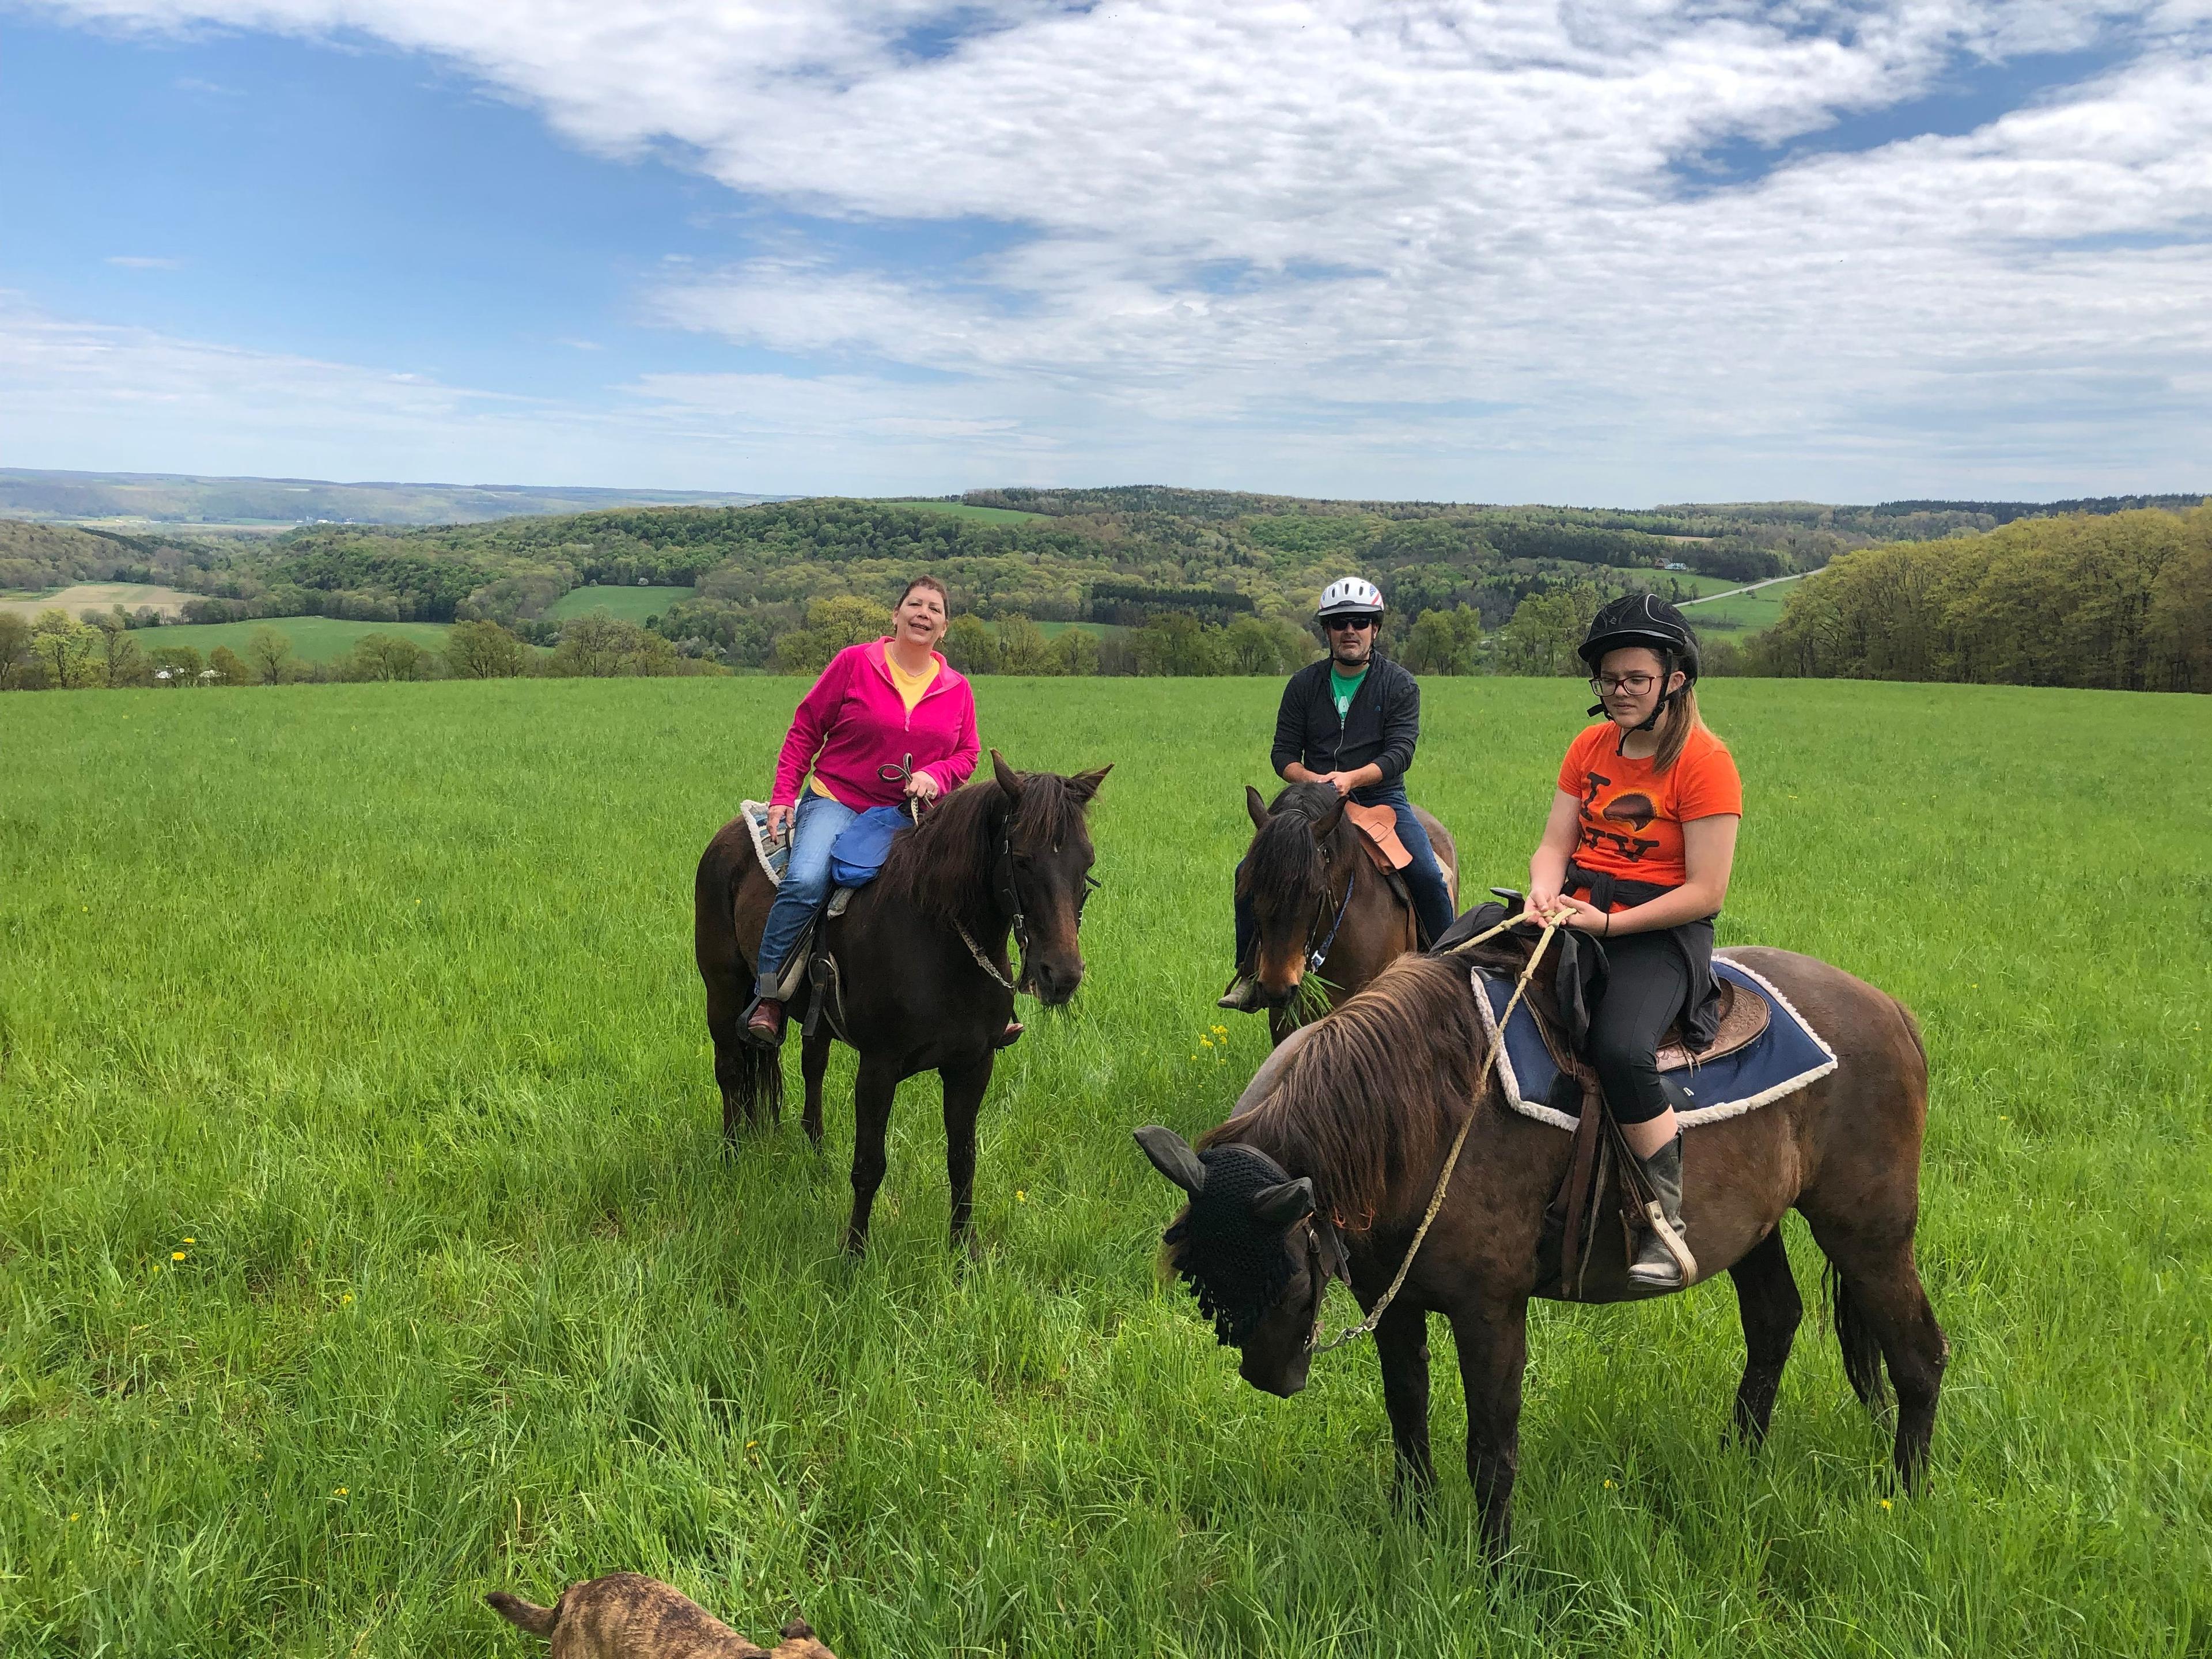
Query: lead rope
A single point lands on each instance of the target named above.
(1366, 1327)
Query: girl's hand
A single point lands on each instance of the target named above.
(1541, 901)
(778, 817)
(1584, 914)
(923, 788)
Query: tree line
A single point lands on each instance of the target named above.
(2120, 601)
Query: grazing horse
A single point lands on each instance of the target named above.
(1320, 903)
(923, 980)
(1331, 1159)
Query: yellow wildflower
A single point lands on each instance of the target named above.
(1885, 1502)
(176, 1256)
(1020, 1197)
(338, 1492)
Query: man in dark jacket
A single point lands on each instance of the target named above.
(1351, 721)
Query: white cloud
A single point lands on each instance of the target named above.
(1363, 246)
(144, 262)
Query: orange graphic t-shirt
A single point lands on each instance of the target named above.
(1633, 816)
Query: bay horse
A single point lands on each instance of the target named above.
(1316, 894)
(1332, 1157)
(923, 976)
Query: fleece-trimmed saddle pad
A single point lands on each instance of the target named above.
(774, 855)
(1785, 1057)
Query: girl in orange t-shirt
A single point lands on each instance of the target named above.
(1637, 853)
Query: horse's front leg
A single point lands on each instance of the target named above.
(874, 1088)
(1492, 1338)
(813, 1061)
(964, 1086)
(1401, 1343)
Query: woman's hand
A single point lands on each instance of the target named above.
(923, 788)
(778, 817)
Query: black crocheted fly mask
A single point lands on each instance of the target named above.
(1236, 1260)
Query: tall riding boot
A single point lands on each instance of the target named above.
(1665, 1260)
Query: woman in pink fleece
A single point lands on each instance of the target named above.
(875, 706)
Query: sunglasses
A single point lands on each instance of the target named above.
(1357, 625)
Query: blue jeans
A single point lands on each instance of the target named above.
(814, 827)
(1425, 877)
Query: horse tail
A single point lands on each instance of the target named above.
(525, 1615)
(1856, 1337)
(749, 1079)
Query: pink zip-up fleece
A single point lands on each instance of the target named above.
(854, 720)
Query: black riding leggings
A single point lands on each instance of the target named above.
(1646, 982)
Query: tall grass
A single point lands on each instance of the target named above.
(365, 1245)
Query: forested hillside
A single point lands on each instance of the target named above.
(1146, 579)
(2121, 603)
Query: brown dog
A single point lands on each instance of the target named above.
(626, 1616)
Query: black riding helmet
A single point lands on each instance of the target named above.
(1643, 619)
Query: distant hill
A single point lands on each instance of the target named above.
(186, 499)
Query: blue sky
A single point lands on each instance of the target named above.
(1505, 251)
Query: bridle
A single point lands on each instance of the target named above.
(1006, 894)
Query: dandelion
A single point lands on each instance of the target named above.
(338, 1492)
(1205, 1042)
(192, 1241)
(1608, 1485)
(1020, 1197)
(1885, 1502)
(157, 1267)
(1221, 1030)
(347, 1297)
(176, 1256)
(74, 1514)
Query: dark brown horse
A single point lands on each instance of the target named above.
(1322, 907)
(923, 976)
(1355, 1114)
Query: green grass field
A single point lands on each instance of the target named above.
(1746, 613)
(365, 1244)
(631, 603)
(314, 639)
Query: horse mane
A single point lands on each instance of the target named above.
(1283, 856)
(943, 866)
(1371, 1099)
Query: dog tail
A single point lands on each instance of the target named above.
(539, 1621)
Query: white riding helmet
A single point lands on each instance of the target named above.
(1352, 595)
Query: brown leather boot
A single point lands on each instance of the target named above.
(764, 1025)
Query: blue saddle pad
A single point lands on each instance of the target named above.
(1782, 1060)
(862, 846)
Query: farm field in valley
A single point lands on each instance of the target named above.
(631, 604)
(366, 1242)
(1743, 614)
(314, 639)
(80, 597)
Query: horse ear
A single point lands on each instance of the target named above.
(1084, 785)
(1325, 826)
(1009, 780)
(1283, 1203)
(1256, 807)
(1172, 1157)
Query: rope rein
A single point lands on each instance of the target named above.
(1366, 1327)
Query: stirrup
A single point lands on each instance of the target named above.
(1664, 1261)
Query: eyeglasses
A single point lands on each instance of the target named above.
(1357, 625)
(1634, 685)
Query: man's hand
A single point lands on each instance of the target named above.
(778, 817)
(923, 788)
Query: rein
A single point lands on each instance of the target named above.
(1366, 1327)
(1316, 957)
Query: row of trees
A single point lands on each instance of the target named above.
(56, 652)
(2121, 602)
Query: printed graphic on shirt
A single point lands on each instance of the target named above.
(1631, 808)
